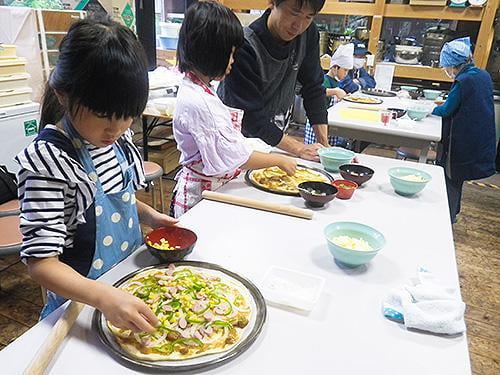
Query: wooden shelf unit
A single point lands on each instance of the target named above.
(378, 10)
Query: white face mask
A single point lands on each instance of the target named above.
(359, 63)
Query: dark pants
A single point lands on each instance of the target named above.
(454, 190)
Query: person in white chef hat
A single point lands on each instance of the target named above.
(341, 63)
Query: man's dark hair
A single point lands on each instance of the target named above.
(315, 5)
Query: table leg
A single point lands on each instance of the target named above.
(423, 153)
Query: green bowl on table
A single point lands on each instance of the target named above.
(432, 94)
(418, 113)
(408, 181)
(338, 233)
(333, 157)
(409, 88)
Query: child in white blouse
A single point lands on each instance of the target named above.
(208, 133)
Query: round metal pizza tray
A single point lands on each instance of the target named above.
(378, 92)
(249, 180)
(194, 364)
(348, 99)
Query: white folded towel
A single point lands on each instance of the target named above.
(426, 305)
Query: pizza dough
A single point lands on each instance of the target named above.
(277, 180)
(200, 311)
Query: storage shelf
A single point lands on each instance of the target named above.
(409, 71)
(379, 10)
(370, 9)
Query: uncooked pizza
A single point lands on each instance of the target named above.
(362, 99)
(275, 179)
(200, 312)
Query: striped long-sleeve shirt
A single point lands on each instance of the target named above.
(55, 191)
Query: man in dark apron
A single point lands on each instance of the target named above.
(281, 48)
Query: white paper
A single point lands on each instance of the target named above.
(384, 73)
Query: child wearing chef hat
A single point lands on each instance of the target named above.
(340, 65)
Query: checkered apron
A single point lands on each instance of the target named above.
(191, 182)
(310, 136)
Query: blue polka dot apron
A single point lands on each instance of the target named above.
(113, 224)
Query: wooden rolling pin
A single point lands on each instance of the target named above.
(43, 357)
(252, 203)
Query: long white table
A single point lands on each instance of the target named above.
(346, 332)
(419, 135)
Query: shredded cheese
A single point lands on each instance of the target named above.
(413, 178)
(352, 243)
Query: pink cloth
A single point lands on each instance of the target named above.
(203, 130)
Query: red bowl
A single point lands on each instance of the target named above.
(345, 193)
(182, 238)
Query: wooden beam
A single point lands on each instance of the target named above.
(420, 72)
(330, 7)
(485, 36)
(376, 26)
(375, 32)
(246, 4)
(434, 12)
(351, 9)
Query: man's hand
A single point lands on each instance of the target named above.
(310, 152)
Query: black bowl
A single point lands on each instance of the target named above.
(309, 191)
(415, 94)
(181, 239)
(356, 172)
(398, 111)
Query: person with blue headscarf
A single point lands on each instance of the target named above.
(468, 131)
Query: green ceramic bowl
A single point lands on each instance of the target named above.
(432, 94)
(348, 257)
(404, 187)
(333, 157)
(418, 113)
(409, 88)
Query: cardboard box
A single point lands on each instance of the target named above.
(167, 156)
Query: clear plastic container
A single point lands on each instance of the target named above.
(293, 289)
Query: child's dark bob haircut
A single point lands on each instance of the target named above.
(102, 67)
(208, 34)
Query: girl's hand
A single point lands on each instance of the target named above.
(125, 311)
(157, 220)
(289, 165)
(152, 218)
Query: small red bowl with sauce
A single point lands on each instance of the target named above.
(345, 188)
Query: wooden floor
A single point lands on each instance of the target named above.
(477, 242)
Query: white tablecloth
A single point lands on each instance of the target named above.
(420, 134)
(346, 332)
